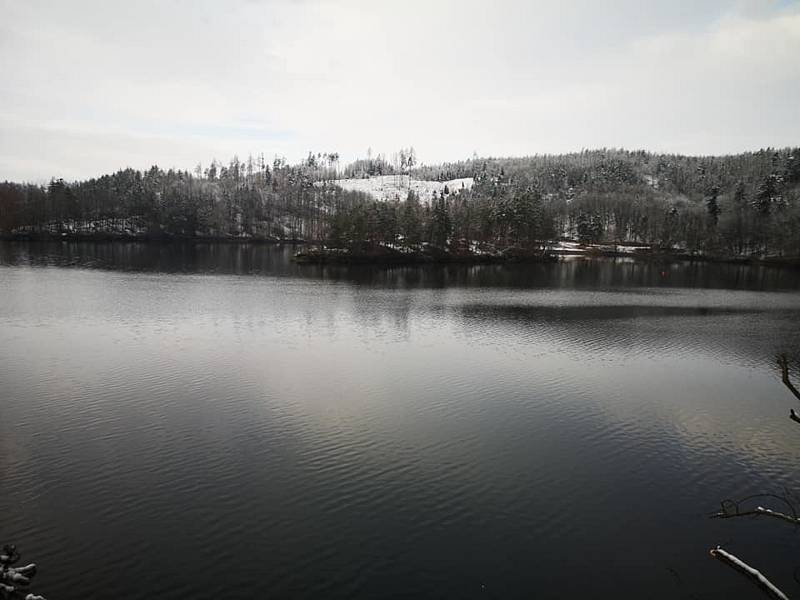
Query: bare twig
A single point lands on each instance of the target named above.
(762, 582)
(758, 511)
(783, 363)
(733, 508)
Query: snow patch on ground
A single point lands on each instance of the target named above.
(572, 247)
(564, 246)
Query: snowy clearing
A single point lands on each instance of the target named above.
(395, 187)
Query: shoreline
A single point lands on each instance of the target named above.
(438, 257)
(144, 238)
(316, 257)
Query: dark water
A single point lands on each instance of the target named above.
(215, 422)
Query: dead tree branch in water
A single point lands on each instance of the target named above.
(732, 508)
(12, 579)
(755, 575)
(760, 510)
(783, 364)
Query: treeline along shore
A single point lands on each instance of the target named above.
(612, 202)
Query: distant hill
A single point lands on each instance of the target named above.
(744, 205)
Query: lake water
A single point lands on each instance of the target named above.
(214, 421)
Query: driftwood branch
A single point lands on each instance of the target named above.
(754, 575)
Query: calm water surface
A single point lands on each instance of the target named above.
(215, 422)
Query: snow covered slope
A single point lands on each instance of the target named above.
(391, 187)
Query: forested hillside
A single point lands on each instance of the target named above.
(741, 205)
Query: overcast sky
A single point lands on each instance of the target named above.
(90, 86)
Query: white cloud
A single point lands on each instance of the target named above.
(95, 85)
